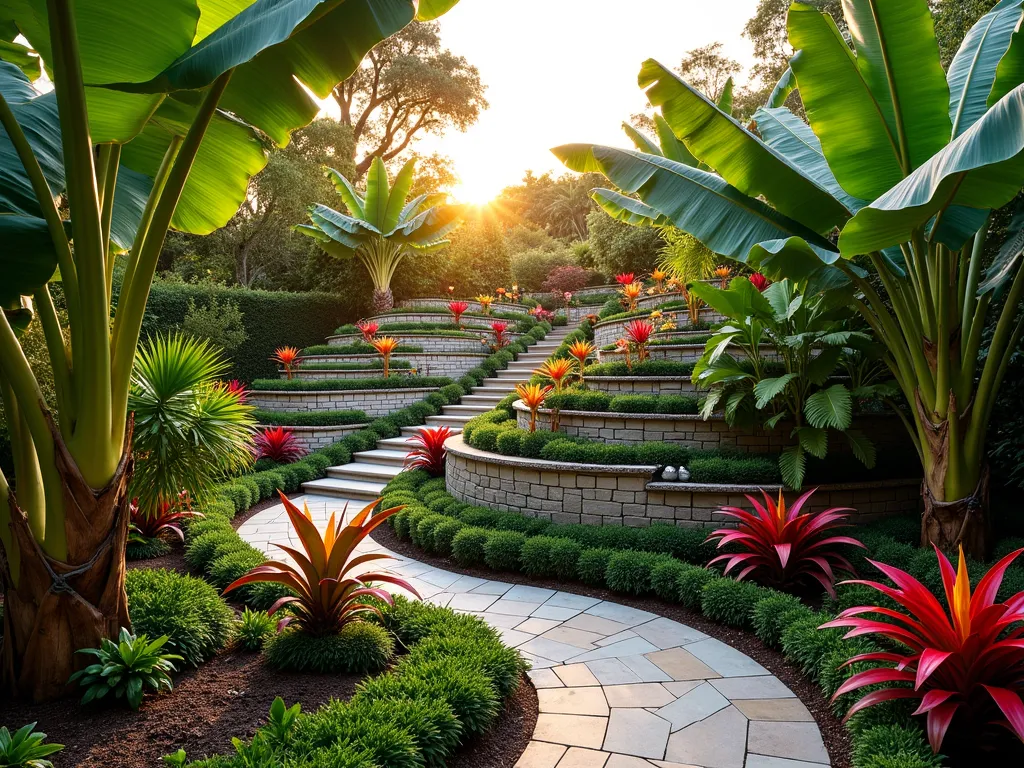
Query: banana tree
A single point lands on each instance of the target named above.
(383, 227)
(159, 115)
(905, 162)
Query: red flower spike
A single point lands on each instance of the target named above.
(967, 662)
(278, 444)
(165, 520)
(429, 452)
(759, 281)
(458, 309)
(625, 278)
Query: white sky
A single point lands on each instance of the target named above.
(561, 71)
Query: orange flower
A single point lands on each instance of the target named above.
(581, 350)
(631, 293)
(532, 396)
(556, 370)
(288, 358)
(485, 303)
(385, 346)
(723, 273)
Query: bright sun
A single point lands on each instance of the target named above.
(474, 192)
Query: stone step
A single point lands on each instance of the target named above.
(516, 374)
(402, 444)
(409, 431)
(364, 472)
(387, 457)
(467, 408)
(344, 488)
(450, 421)
(491, 400)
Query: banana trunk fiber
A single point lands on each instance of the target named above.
(54, 608)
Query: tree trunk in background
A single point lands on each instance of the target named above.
(382, 300)
(950, 524)
(59, 607)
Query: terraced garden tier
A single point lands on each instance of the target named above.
(627, 495)
(476, 321)
(374, 402)
(453, 364)
(315, 438)
(609, 332)
(655, 385)
(886, 431)
(474, 306)
(431, 343)
(679, 353)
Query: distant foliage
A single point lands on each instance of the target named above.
(219, 322)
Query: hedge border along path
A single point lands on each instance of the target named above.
(618, 687)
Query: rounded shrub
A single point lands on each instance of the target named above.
(665, 578)
(536, 556)
(502, 665)
(691, 582)
(805, 645)
(233, 565)
(360, 648)
(400, 523)
(469, 692)
(444, 535)
(592, 565)
(766, 618)
(147, 550)
(200, 550)
(565, 556)
(468, 545)
(731, 602)
(630, 572)
(894, 746)
(186, 609)
(510, 442)
(503, 550)
(423, 534)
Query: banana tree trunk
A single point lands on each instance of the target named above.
(963, 522)
(53, 608)
(383, 300)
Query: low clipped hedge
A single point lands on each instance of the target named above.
(604, 402)
(309, 419)
(646, 368)
(355, 348)
(359, 366)
(668, 562)
(322, 385)
(446, 691)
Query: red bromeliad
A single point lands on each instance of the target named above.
(638, 333)
(288, 358)
(968, 662)
(759, 281)
(278, 444)
(165, 519)
(428, 451)
(458, 308)
(625, 278)
(783, 547)
(325, 580)
(500, 339)
(236, 388)
(369, 330)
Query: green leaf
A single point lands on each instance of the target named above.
(832, 407)
(27, 259)
(348, 193)
(767, 390)
(641, 140)
(724, 102)
(983, 168)
(742, 159)
(774, 420)
(793, 138)
(782, 89)
(793, 465)
(427, 228)
(278, 47)
(397, 196)
(700, 203)
(671, 146)
(823, 365)
(1010, 71)
(733, 403)
(377, 190)
(1004, 265)
(898, 58)
(22, 58)
(130, 197)
(862, 447)
(792, 258)
(841, 108)
(433, 9)
(781, 297)
(230, 155)
(813, 440)
(972, 72)
(737, 302)
(627, 209)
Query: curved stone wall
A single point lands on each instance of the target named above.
(608, 332)
(641, 385)
(430, 343)
(453, 364)
(483, 321)
(887, 432)
(474, 306)
(625, 495)
(373, 402)
(315, 438)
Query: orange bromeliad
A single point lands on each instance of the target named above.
(288, 358)
(556, 370)
(631, 293)
(723, 273)
(385, 346)
(532, 396)
(580, 350)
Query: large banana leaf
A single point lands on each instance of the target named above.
(641, 140)
(898, 57)
(277, 47)
(432, 9)
(1010, 72)
(627, 209)
(27, 259)
(21, 57)
(397, 196)
(724, 102)
(973, 70)
(981, 169)
(428, 228)
(741, 158)
(792, 138)
(348, 193)
(841, 108)
(700, 203)
(782, 89)
(671, 146)
(229, 156)
(377, 189)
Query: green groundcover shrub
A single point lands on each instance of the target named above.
(309, 419)
(356, 348)
(322, 385)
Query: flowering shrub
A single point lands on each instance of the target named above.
(566, 279)
(236, 388)
(723, 273)
(638, 333)
(556, 370)
(631, 292)
(278, 444)
(782, 547)
(580, 350)
(288, 358)
(659, 276)
(458, 308)
(485, 303)
(166, 518)
(501, 339)
(532, 396)
(428, 451)
(369, 330)
(625, 278)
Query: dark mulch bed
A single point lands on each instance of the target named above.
(228, 696)
(836, 737)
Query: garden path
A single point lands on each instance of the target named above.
(618, 687)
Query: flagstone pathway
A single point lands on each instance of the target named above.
(618, 687)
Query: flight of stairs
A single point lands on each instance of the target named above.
(364, 478)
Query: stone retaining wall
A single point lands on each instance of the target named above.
(432, 344)
(474, 306)
(887, 432)
(308, 374)
(609, 332)
(452, 364)
(641, 385)
(373, 402)
(315, 438)
(432, 317)
(625, 495)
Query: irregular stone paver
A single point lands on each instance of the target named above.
(618, 687)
